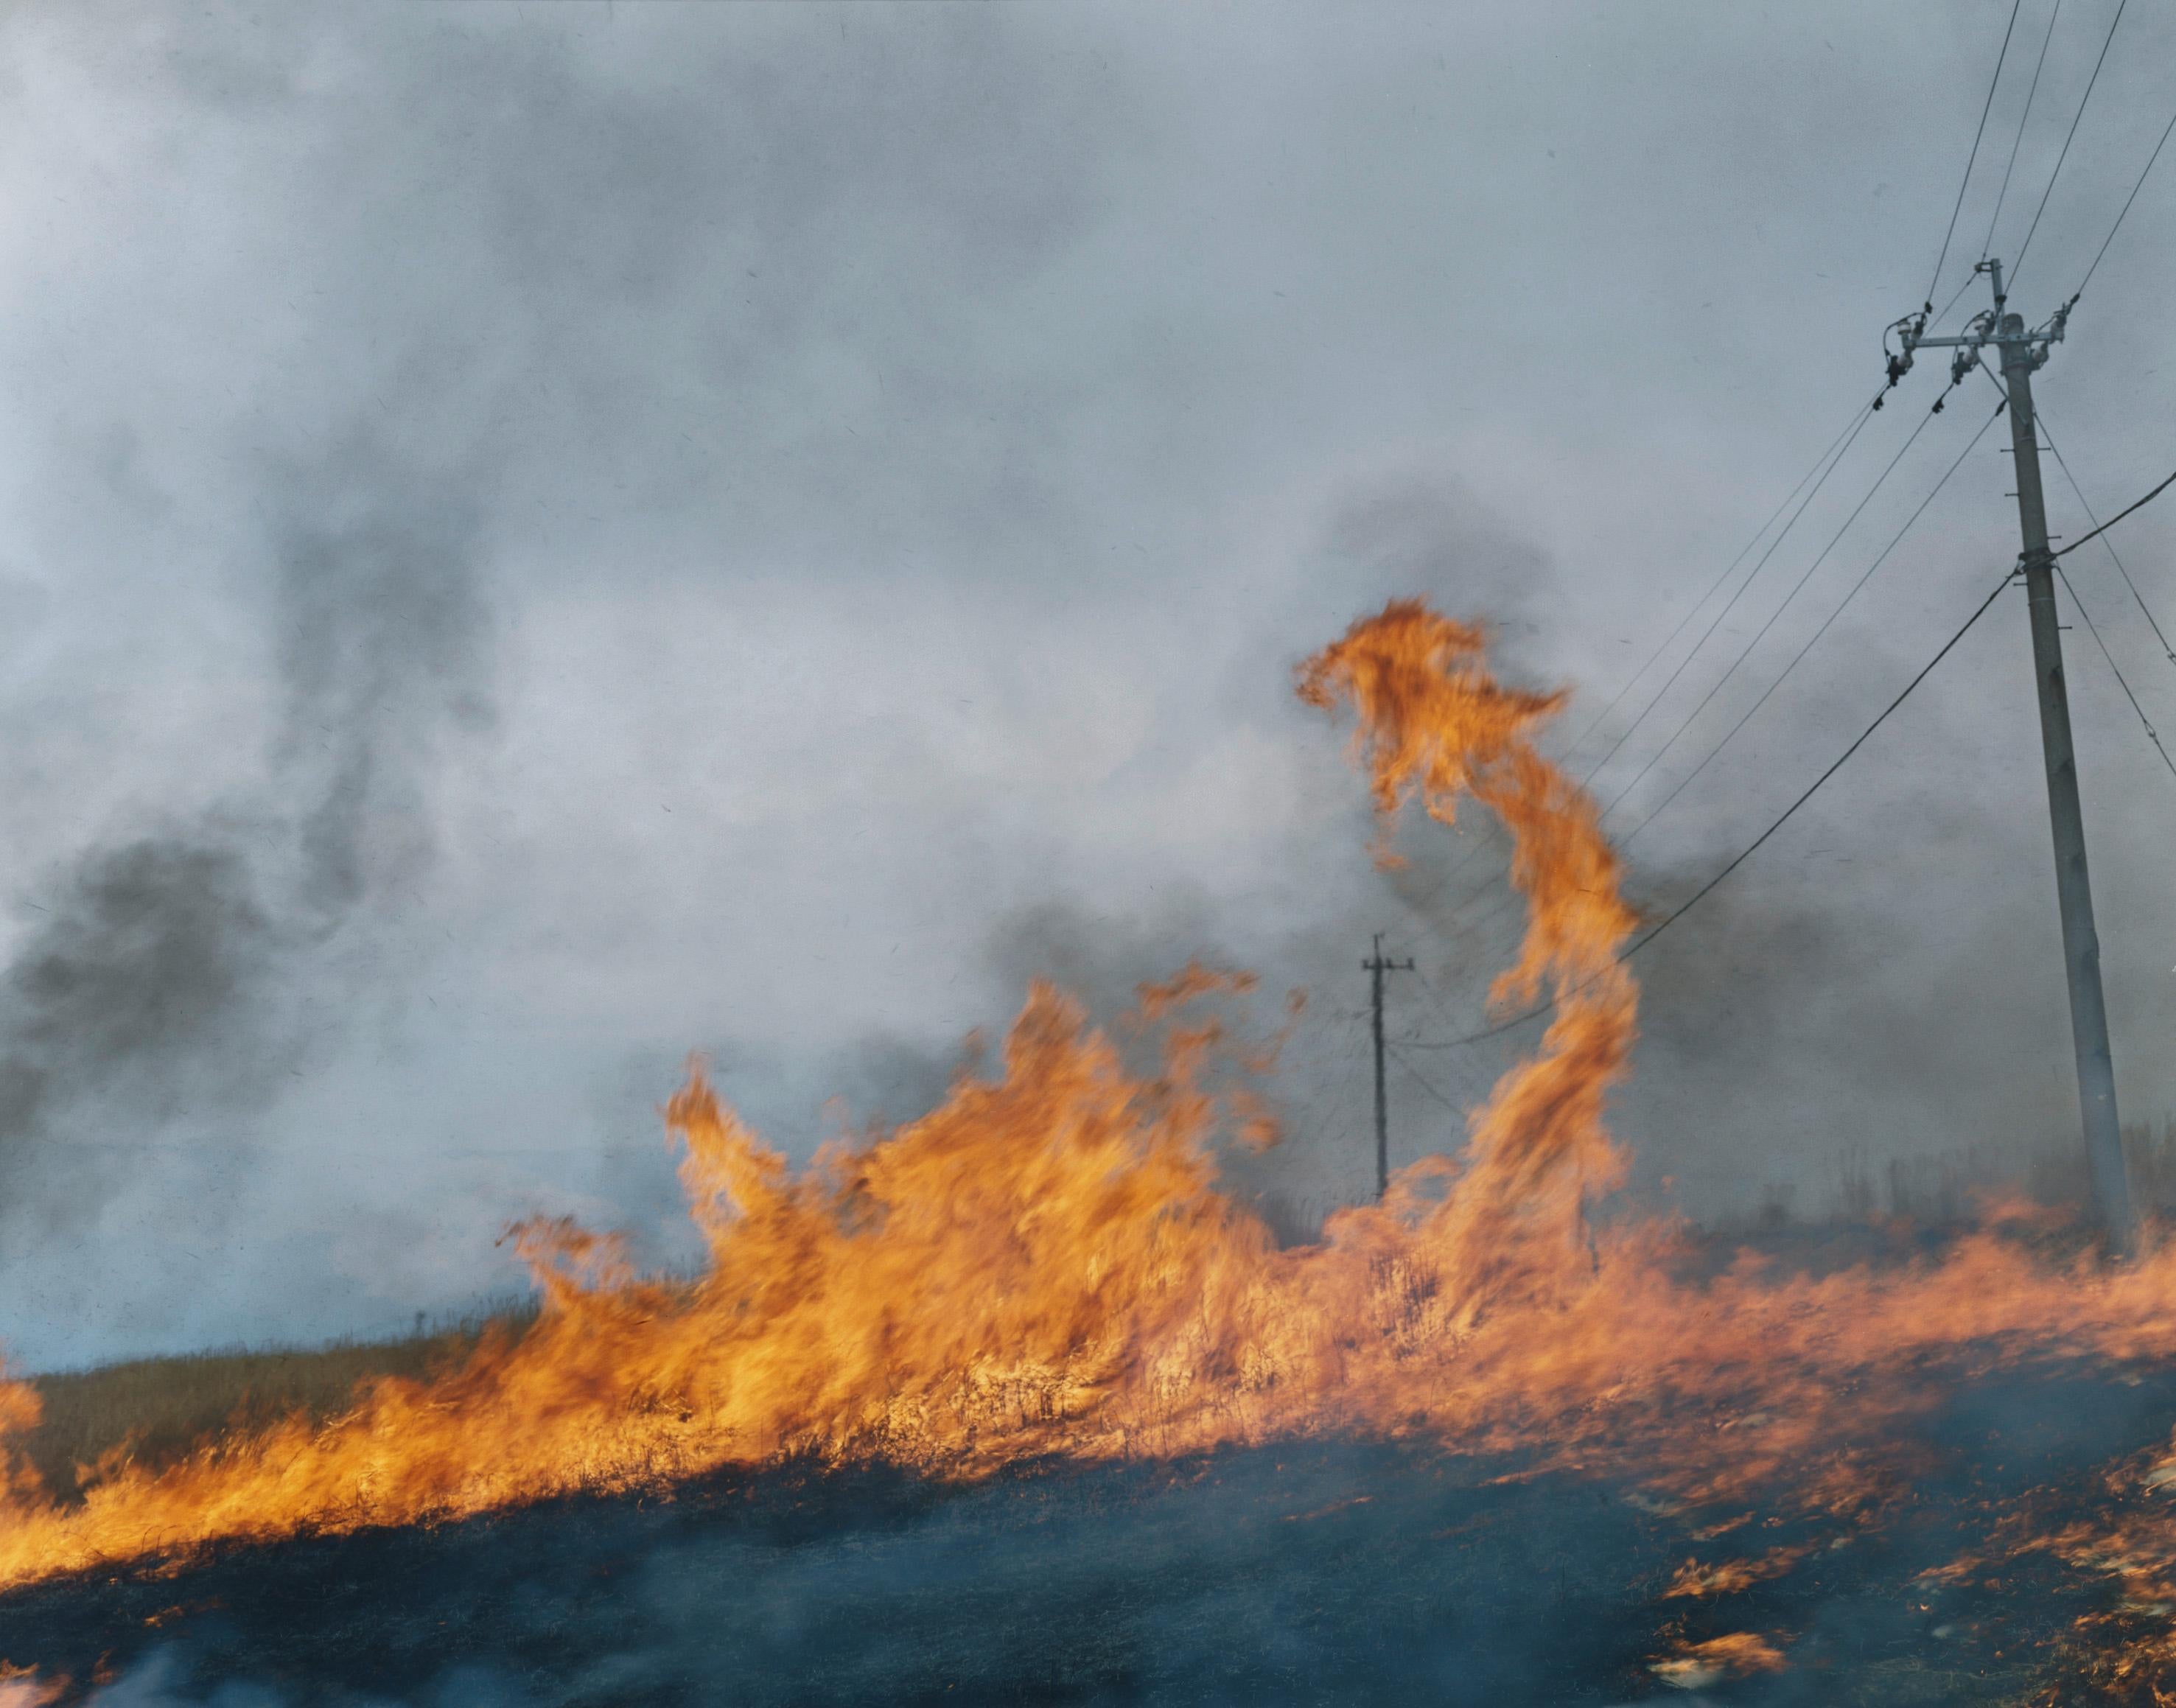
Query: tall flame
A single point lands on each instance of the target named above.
(1045, 1264)
(1433, 722)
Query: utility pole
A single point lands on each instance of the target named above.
(2022, 351)
(1378, 967)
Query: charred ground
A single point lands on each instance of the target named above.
(1319, 1571)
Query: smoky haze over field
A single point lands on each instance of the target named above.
(540, 539)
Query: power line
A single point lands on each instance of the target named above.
(1799, 655)
(1463, 902)
(1878, 561)
(2093, 630)
(2127, 201)
(1694, 610)
(1831, 458)
(1964, 182)
(1677, 913)
(1504, 900)
(1834, 449)
(1427, 984)
(1457, 866)
(2040, 420)
(1752, 847)
(2018, 265)
(1746, 651)
(1961, 290)
(1423, 1083)
(2118, 517)
(1865, 415)
(2022, 119)
(1858, 421)
(1442, 1006)
(1335, 1094)
(2041, 416)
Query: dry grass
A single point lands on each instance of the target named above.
(1950, 1188)
(152, 1411)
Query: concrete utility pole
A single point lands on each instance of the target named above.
(1378, 967)
(2022, 351)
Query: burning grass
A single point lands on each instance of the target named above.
(1045, 1268)
(1332, 1572)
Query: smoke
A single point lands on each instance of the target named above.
(382, 652)
(1865, 991)
(146, 969)
(166, 972)
(917, 443)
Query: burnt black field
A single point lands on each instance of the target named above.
(1320, 1572)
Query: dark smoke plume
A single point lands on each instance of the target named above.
(156, 977)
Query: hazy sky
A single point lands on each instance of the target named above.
(535, 540)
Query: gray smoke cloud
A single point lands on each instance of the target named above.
(161, 972)
(143, 973)
(382, 652)
(534, 540)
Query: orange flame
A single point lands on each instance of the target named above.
(22, 1688)
(1735, 1655)
(1045, 1264)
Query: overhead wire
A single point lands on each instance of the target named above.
(1463, 902)
(2144, 610)
(1833, 457)
(1694, 610)
(1754, 846)
(1505, 902)
(2094, 629)
(2087, 539)
(1859, 419)
(1963, 183)
(2023, 118)
(2040, 425)
(1831, 451)
(1851, 437)
(1882, 557)
(1678, 912)
(1422, 1081)
(1334, 1094)
(1829, 457)
(1936, 320)
(1434, 995)
(1442, 1008)
(2018, 265)
(1457, 866)
(2125, 209)
(1745, 652)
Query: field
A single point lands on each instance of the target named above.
(1318, 1570)
(155, 1410)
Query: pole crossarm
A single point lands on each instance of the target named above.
(1990, 326)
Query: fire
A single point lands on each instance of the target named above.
(1694, 1579)
(1045, 1264)
(1731, 1657)
(21, 1688)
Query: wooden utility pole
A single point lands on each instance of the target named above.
(2022, 351)
(1378, 967)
